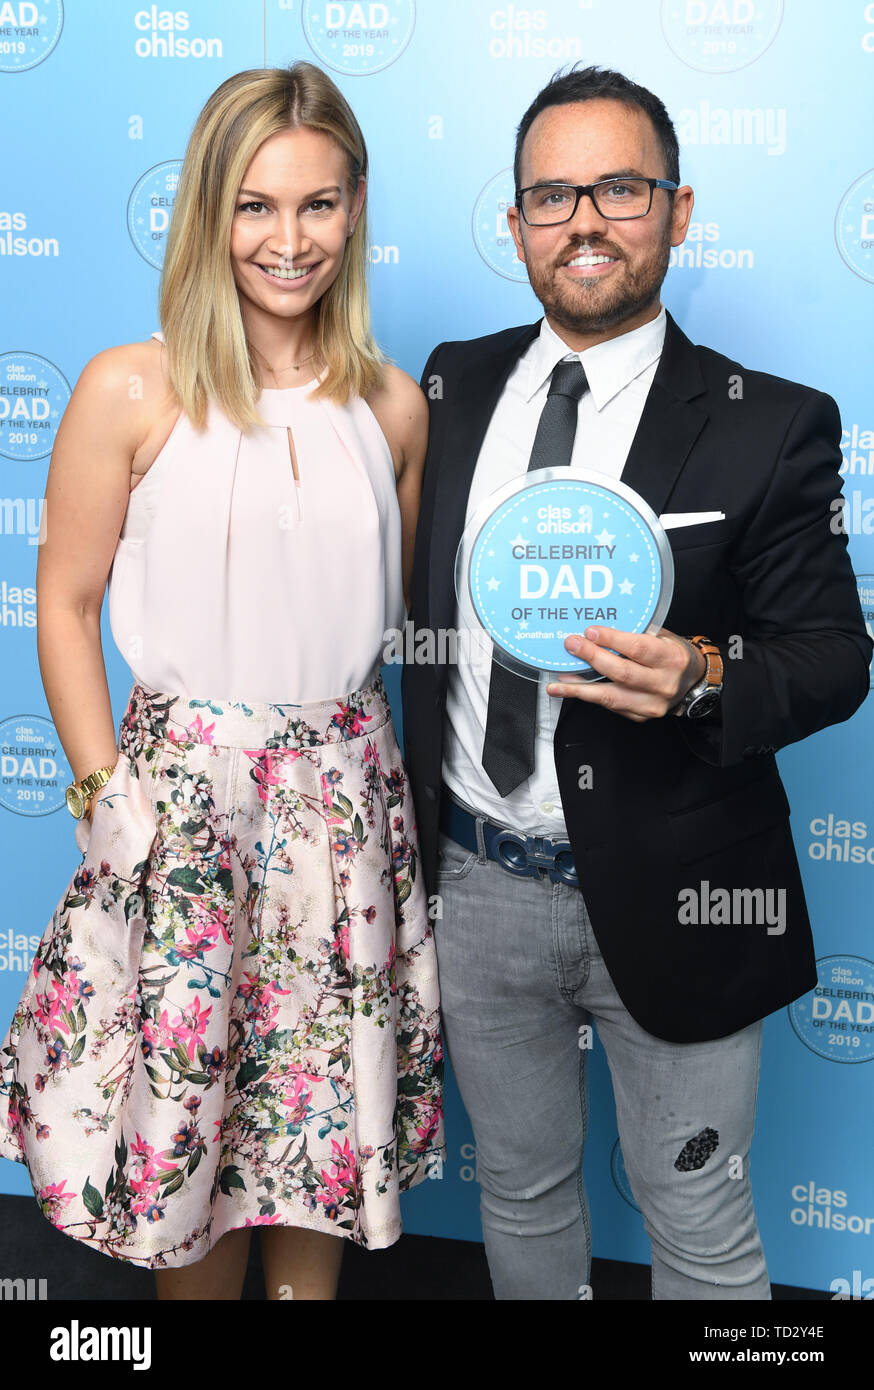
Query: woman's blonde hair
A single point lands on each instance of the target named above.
(208, 353)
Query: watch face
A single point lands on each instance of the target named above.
(703, 705)
(75, 804)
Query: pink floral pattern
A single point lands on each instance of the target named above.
(232, 1017)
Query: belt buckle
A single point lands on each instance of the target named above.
(538, 862)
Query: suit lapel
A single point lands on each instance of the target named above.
(473, 404)
(669, 424)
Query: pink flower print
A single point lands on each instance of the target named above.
(200, 937)
(45, 1010)
(297, 1098)
(143, 1155)
(398, 824)
(340, 1183)
(165, 1032)
(395, 781)
(43, 1131)
(222, 920)
(149, 1043)
(190, 1026)
(424, 1132)
(52, 1198)
(268, 763)
(262, 1220)
(343, 940)
(350, 721)
(369, 914)
(198, 734)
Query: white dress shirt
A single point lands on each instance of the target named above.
(620, 373)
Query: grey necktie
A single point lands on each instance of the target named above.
(508, 749)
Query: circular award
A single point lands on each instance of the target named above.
(553, 552)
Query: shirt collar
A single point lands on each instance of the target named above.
(609, 366)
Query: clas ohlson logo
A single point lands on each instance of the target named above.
(28, 32)
(491, 233)
(836, 1020)
(34, 394)
(34, 771)
(358, 38)
(720, 35)
(149, 207)
(854, 226)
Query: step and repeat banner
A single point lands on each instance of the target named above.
(774, 108)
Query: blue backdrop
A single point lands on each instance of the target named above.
(774, 108)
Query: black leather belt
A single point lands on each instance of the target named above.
(526, 856)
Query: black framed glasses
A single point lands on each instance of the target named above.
(547, 204)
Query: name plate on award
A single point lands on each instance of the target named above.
(552, 552)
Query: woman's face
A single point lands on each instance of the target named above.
(294, 214)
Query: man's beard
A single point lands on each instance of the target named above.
(590, 306)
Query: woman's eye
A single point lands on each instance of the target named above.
(244, 207)
(322, 205)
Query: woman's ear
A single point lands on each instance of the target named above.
(357, 205)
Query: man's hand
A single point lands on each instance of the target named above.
(650, 676)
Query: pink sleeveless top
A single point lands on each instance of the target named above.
(232, 582)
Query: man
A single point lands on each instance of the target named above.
(537, 941)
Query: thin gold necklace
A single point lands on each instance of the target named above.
(296, 366)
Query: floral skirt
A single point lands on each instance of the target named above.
(232, 1018)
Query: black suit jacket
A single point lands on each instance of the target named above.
(675, 804)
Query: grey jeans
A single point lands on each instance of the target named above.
(520, 974)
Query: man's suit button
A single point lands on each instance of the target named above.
(431, 793)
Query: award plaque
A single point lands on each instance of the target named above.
(553, 552)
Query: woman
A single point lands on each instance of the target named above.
(232, 1019)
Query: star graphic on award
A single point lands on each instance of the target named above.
(605, 538)
(625, 588)
(493, 584)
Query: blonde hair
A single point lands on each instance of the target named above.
(208, 352)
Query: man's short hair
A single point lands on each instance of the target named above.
(596, 84)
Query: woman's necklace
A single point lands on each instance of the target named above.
(292, 366)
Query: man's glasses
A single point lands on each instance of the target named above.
(547, 204)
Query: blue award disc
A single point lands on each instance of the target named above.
(553, 552)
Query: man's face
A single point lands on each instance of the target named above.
(588, 297)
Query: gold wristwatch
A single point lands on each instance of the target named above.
(78, 794)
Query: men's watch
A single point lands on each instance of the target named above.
(78, 794)
(705, 694)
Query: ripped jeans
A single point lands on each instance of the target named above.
(520, 973)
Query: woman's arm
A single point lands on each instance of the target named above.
(86, 499)
(402, 412)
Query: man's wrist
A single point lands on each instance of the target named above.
(702, 698)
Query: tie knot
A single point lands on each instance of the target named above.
(568, 379)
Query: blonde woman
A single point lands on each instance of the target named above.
(232, 1018)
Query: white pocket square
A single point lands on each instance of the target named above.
(670, 520)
